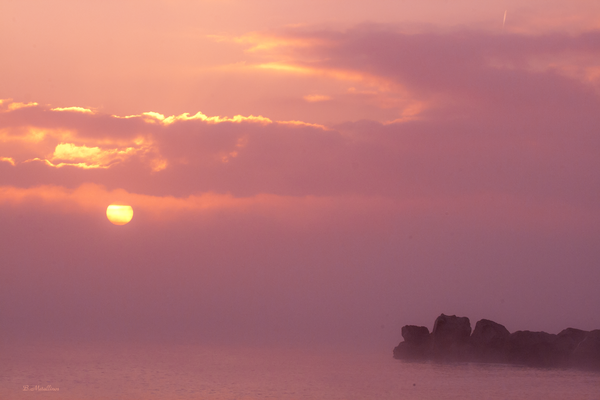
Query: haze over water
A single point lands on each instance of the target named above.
(302, 174)
(144, 371)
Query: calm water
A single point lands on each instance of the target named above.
(84, 371)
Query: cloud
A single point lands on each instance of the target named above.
(466, 66)
(260, 41)
(10, 105)
(8, 160)
(89, 157)
(312, 98)
(74, 109)
(482, 197)
(482, 118)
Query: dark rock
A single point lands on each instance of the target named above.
(450, 328)
(416, 343)
(566, 342)
(410, 351)
(532, 348)
(450, 337)
(451, 340)
(489, 334)
(587, 352)
(489, 339)
(571, 337)
(415, 334)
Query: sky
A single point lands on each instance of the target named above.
(305, 172)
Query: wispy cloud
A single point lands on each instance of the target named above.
(313, 98)
(74, 109)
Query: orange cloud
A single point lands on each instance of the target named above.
(380, 84)
(311, 98)
(24, 144)
(302, 123)
(261, 41)
(69, 154)
(9, 105)
(16, 106)
(291, 54)
(74, 109)
(8, 160)
(202, 117)
(93, 157)
(97, 144)
(33, 134)
(82, 165)
(301, 69)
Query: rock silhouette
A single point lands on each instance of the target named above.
(452, 340)
(450, 336)
(416, 344)
(489, 340)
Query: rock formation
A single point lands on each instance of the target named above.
(488, 340)
(416, 344)
(450, 337)
(587, 352)
(452, 340)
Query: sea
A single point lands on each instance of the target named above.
(132, 371)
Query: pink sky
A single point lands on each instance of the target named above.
(313, 171)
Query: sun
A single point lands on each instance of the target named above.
(119, 214)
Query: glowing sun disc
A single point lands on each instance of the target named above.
(119, 214)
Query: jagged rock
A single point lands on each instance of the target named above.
(488, 340)
(587, 352)
(450, 337)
